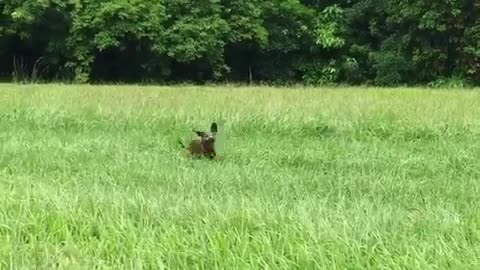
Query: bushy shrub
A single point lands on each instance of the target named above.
(455, 81)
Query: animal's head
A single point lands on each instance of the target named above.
(208, 138)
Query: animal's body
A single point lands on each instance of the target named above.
(204, 146)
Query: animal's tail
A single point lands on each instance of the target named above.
(181, 143)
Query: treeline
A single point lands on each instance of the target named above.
(380, 42)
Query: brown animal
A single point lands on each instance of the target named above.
(204, 145)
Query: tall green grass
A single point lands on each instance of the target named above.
(346, 178)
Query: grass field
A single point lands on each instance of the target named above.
(93, 178)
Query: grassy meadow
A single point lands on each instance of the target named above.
(92, 177)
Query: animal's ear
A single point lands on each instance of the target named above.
(214, 128)
(200, 133)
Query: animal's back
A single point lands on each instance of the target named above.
(195, 147)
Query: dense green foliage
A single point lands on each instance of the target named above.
(318, 42)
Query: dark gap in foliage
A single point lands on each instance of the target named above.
(242, 60)
(197, 71)
(121, 64)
